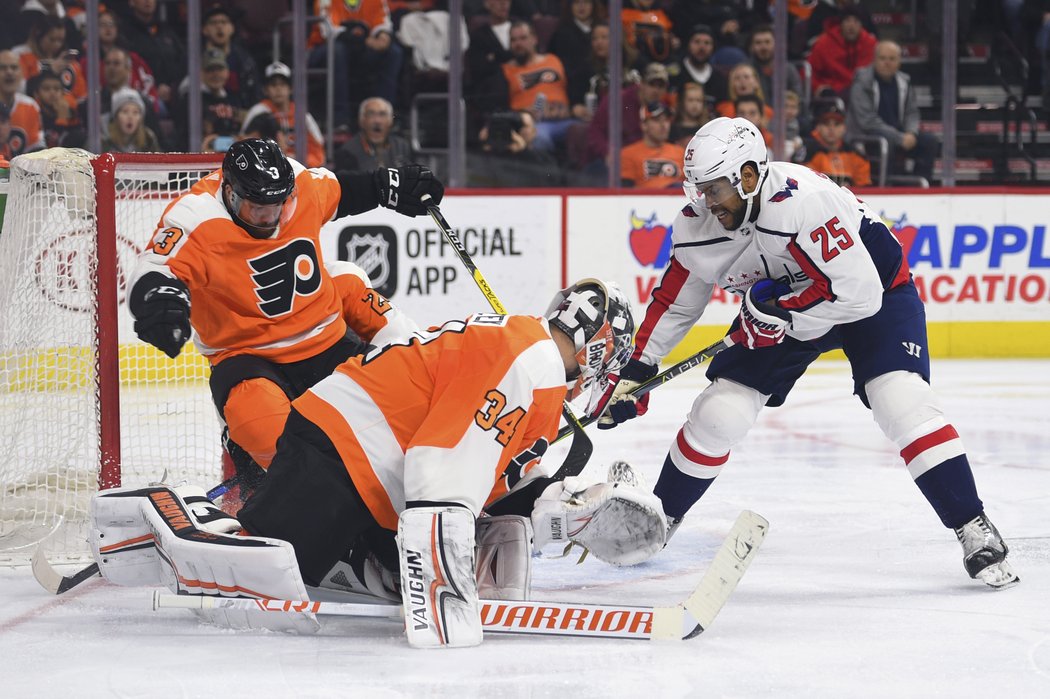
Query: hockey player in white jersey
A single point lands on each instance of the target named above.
(817, 270)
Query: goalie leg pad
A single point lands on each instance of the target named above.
(619, 524)
(504, 565)
(121, 542)
(202, 562)
(438, 589)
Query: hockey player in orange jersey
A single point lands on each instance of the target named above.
(419, 438)
(238, 258)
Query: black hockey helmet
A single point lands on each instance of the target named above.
(258, 171)
(262, 185)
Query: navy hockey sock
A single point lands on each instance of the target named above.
(677, 491)
(950, 489)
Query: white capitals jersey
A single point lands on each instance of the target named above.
(810, 234)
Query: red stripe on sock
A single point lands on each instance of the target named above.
(933, 439)
(696, 457)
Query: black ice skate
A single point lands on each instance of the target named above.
(984, 553)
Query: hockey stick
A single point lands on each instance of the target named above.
(56, 583)
(660, 379)
(582, 448)
(685, 620)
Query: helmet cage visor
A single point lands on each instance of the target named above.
(263, 215)
(599, 357)
(711, 193)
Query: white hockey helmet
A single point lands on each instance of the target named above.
(597, 316)
(721, 148)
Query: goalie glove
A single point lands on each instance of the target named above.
(403, 188)
(621, 405)
(161, 307)
(761, 322)
(619, 524)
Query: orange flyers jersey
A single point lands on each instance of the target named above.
(373, 13)
(544, 77)
(69, 72)
(650, 167)
(441, 417)
(636, 21)
(27, 130)
(273, 298)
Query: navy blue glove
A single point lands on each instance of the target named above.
(620, 405)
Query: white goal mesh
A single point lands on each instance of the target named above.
(83, 401)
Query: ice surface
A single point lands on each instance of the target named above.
(857, 592)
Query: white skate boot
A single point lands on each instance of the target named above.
(984, 553)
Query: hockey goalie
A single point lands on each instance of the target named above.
(409, 474)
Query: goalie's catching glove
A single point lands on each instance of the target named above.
(403, 188)
(622, 406)
(161, 307)
(762, 323)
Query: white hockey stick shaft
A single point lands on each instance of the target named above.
(682, 621)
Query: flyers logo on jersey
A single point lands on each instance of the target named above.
(284, 273)
(537, 77)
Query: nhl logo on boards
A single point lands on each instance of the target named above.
(373, 249)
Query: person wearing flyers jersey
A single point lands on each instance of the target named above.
(237, 259)
(816, 269)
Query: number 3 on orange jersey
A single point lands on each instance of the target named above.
(165, 241)
(489, 417)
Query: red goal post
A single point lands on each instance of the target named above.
(85, 404)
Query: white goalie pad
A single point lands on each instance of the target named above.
(504, 557)
(618, 523)
(438, 589)
(163, 543)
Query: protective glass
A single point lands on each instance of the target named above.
(263, 215)
(709, 194)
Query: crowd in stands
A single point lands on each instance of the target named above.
(536, 82)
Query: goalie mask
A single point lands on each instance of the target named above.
(261, 193)
(715, 158)
(597, 316)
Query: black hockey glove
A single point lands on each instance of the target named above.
(402, 189)
(161, 307)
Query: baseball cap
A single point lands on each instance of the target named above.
(830, 109)
(213, 58)
(653, 110)
(216, 9)
(278, 70)
(656, 71)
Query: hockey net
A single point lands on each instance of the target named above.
(84, 403)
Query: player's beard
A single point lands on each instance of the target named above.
(732, 219)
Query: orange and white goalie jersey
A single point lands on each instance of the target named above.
(442, 417)
(273, 298)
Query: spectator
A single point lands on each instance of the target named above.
(510, 160)
(652, 163)
(264, 126)
(278, 101)
(693, 112)
(653, 88)
(489, 50)
(117, 72)
(743, 80)
(127, 132)
(839, 52)
(25, 131)
(58, 112)
(825, 150)
(752, 108)
(648, 30)
(33, 10)
(760, 48)
(374, 146)
(219, 32)
(222, 112)
(139, 77)
(536, 82)
(572, 44)
(792, 124)
(367, 59)
(696, 66)
(5, 151)
(46, 49)
(882, 103)
(159, 46)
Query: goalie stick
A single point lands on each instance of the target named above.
(685, 620)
